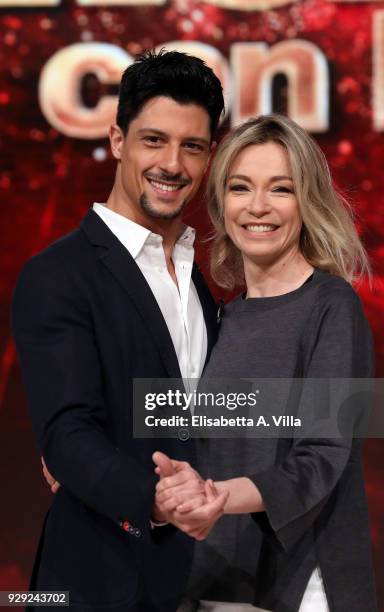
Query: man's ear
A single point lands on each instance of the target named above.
(116, 139)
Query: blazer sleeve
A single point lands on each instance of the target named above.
(61, 368)
(296, 490)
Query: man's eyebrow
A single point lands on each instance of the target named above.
(146, 130)
(203, 141)
(152, 130)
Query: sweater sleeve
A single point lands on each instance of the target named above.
(338, 345)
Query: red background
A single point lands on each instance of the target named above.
(48, 181)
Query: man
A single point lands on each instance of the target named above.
(120, 298)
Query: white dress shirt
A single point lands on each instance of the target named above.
(180, 306)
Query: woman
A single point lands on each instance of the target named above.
(294, 535)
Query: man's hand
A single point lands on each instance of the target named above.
(164, 468)
(178, 483)
(54, 484)
(184, 499)
(168, 468)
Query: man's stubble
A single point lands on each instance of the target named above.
(156, 214)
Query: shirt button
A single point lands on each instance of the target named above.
(137, 532)
(183, 434)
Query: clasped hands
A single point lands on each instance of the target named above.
(184, 499)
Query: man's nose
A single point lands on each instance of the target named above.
(170, 161)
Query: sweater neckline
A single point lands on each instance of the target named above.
(241, 303)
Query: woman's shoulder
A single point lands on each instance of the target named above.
(233, 304)
(337, 339)
(331, 289)
(336, 306)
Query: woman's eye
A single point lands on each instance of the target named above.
(282, 189)
(238, 187)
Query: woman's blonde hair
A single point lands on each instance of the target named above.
(328, 239)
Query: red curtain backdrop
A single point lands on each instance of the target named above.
(318, 60)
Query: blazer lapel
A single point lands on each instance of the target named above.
(124, 268)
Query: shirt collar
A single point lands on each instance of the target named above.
(187, 238)
(134, 236)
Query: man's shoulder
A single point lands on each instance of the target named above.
(58, 255)
(66, 245)
(71, 256)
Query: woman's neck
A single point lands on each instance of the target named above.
(276, 278)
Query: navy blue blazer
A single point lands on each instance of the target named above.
(85, 324)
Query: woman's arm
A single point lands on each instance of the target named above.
(337, 345)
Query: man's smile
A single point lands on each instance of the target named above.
(166, 186)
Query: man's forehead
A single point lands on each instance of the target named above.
(166, 115)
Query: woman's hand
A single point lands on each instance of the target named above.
(208, 514)
(199, 521)
(184, 499)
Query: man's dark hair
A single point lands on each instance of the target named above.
(184, 78)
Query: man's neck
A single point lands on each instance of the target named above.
(169, 229)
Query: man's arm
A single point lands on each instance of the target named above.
(62, 372)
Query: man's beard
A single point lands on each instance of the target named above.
(156, 214)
